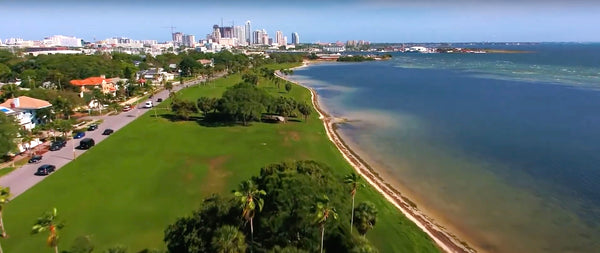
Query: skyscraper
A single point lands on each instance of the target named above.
(295, 38)
(248, 32)
(257, 37)
(240, 35)
(189, 40)
(216, 35)
(279, 38)
(177, 38)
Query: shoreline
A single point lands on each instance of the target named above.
(443, 239)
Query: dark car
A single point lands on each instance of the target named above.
(86, 143)
(79, 135)
(35, 159)
(57, 145)
(159, 100)
(107, 131)
(92, 127)
(45, 170)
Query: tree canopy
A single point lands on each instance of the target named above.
(287, 220)
(9, 130)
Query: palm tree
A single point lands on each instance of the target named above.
(324, 210)
(4, 198)
(228, 239)
(366, 217)
(250, 197)
(48, 222)
(353, 180)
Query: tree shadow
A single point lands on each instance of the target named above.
(216, 120)
(175, 118)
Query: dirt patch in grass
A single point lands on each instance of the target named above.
(216, 177)
(289, 136)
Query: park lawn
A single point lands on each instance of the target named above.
(127, 189)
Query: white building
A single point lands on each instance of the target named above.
(240, 34)
(65, 41)
(334, 48)
(24, 109)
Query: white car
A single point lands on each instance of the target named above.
(148, 104)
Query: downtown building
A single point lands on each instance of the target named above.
(189, 40)
(177, 38)
(279, 39)
(248, 33)
(295, 38)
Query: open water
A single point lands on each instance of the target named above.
(503, 149)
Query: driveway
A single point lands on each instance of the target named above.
(23, 178)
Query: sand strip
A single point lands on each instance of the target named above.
(444, 239)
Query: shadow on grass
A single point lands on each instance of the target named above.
(210, 120)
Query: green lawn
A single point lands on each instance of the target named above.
(128, 188)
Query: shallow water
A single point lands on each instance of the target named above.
(501, 148)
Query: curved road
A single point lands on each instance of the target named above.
(23, 178)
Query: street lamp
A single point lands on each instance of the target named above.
(180, 77)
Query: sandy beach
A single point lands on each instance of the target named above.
(444, 239)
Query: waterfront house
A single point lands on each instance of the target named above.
(106, 85)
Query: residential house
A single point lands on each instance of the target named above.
(107, 85)
(206, 63)
(156, 75)
(23, 109)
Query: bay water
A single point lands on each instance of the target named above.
(502, 149)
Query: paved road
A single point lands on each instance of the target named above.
(23, 178)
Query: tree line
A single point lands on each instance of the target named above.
(243, 102)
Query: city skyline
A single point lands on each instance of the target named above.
(375, 21)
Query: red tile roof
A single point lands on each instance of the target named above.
(90, 81)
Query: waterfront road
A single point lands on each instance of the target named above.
(23, 178)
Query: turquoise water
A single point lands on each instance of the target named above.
(501, 148)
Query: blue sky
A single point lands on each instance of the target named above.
(326, 21)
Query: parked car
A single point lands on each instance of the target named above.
(93, 127)
(45, 170)
(107, 131)
(59, 142)
(127, 108)
(57, 145)
(159, 100)
(148, 104)
(86, 143)
(35, 159)
(79, 135)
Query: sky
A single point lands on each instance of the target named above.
(315, 21)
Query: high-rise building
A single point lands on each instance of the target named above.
(279, 38)
(265, 37)
(248, 32)
(295, 38)
(216, 35)
(226, 32)
(177, 38)
(239, 33)
(257, 37)
(189, 40)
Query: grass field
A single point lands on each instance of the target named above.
(127, 189)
